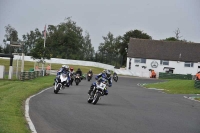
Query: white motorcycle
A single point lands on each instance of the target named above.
(61, 82)
(98, 92)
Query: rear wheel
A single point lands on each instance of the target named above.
(96, 98)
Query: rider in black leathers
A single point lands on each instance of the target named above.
(79, 72)
(90, 72)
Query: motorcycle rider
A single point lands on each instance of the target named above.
(79, 72)
(72, 74)
(105, 74)
(63, 69)
(90, 72)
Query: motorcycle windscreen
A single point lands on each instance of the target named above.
(64, 75)
(101, 85)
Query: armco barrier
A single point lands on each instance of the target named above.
(81, 63)
(175, 76)
(197, 84)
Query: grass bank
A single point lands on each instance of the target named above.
(28, 65)
(13, 94)
(176, 87)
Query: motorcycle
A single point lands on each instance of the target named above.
(77, 79)
(98, 91)
(72, 78)
(115, 77)
(61, 82)
(89, 76)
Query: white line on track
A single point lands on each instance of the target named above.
(28, 119)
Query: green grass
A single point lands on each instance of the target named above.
(12, 97)
(176, 87)
(54, 66)
(197, 99)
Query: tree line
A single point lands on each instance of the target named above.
(67, 41)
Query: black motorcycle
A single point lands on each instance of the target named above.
(72, 76)
(77, 79)
(89, 76)
(115, 77)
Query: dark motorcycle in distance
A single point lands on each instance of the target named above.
(89, 76)
(115, 77)
(77, 79)
(72, 76)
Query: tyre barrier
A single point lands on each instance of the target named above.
(27, 75)
(197, 84)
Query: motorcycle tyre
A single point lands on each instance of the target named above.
(90, 100)
(77, 82)
(57, 89)
(96, 99)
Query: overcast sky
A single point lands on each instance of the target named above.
(158, 18)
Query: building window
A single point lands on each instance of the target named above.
(164, 62)
(140, 60)
(189, 64)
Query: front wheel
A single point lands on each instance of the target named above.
(77, 81)
(57, 89)
(90, 99)
(96, 98)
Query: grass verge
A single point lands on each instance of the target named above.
(197, 99)
(176, 87)
(29, 64)
(12, 97)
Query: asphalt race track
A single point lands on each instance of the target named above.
(128, 108)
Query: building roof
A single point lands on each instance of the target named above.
(164, 50)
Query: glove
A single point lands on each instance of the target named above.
(96, 78)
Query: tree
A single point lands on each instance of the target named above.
(176, 38)
(87, 49)
(39, 52)
(11, 35)
(170, 39)
(177, 32)
(1, 49)
(65, 41)
(109, 49)
(30, 39)
(126, 38)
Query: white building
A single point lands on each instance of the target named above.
(162, 56)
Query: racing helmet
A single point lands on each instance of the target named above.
(104, 71)
(67, 67)
(90, 70)
(71, 69)
(108, 73)
(63, 66)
